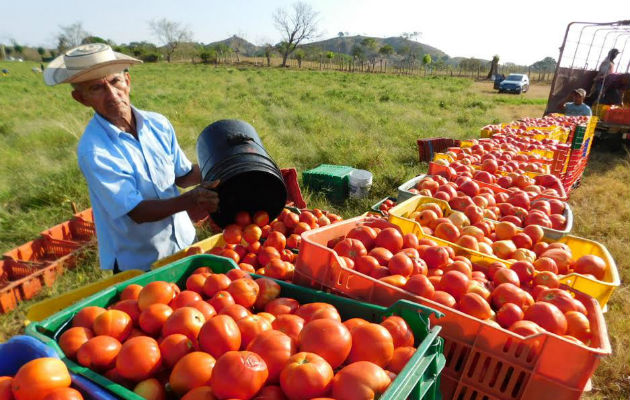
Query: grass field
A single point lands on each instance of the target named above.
(368, 121)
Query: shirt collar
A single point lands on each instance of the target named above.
(112, 131)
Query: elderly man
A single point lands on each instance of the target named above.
(132, 163)
(577, 106)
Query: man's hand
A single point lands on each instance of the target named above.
(204, 196)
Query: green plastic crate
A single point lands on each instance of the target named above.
(329, 179)
(420, 379)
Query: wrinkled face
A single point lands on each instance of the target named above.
(108, 96)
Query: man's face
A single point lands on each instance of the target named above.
(108, 96)
(578, 98)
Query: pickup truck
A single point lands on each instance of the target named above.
(514, 83)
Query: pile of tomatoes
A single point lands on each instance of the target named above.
(525, 298)
(267, 248)
(387, 205)
(230, 336)
(43, 378)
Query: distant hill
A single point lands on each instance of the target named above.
(345, 44)
(342, 45)
(246, 48)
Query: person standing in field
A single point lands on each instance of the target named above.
(132, 163)
(577, 105)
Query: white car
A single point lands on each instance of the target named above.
(515, 83)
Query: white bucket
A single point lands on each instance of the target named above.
(359, 183)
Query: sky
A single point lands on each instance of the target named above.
(519, 32)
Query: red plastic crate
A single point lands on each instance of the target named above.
(294, 194)
(428, 146)
(543, 366)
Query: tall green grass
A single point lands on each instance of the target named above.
(304, 118)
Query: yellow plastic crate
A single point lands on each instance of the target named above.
(205, 245)
(600, 290)
(443, 156)
(45, 308)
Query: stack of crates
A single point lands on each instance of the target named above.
(332, 180)
(581, 140)
(427, 147)
(28, 268)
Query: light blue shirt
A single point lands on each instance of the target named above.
(574, 109)
(121, 172)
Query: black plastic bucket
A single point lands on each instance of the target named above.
(230, 151)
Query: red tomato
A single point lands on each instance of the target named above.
(381, 254)
(371, 342)
(290, 324)
(173, 347)
(305, 376)
(244, 291)
(282, 305)
(219, 335)
(232, 234)
(578, 326)
(275, 348)
(221, 299)
(99, 353)
(236, 311)
(206, 309)
(65, 393)
(365, 234)
(270, 392)
(86, 316)
(150, 389)
(276, 240)
(548, 317)
(39, 377)
(200, 393)
(389, 238)
(475, 305)
(250, 327)
(351, 248)
(327, 338)
(184, 298)
(131, 292)
(313, 311)
(186, 320)
(71, 340)
(508, 314)
(401, 357)
(114, 323)
(354, 322)
(420, 285)
(139, 358)
(155, 292)
(191, 371)
(269, 290)
(238, 374)
(195, 282)
(153, 317)
(130, 307)
(360, 380)
(215, 283)
(401, 332)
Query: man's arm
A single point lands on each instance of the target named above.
(154, 210)
(193, 177)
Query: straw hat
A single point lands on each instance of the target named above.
(86, 62)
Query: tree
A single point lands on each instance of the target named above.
(386, 50)
(70, 36)
(494, 67)
(170, 34)
(296, 27)
(41, 51)
(94, 39)
(340, 34)
(330, 55)
(357, 52)
(299, 56)
(426, 60)
(269, 50)
(18, 48)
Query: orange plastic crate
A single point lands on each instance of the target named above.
(480, 359)
(82, 225)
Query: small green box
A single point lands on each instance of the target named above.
(330, 179)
